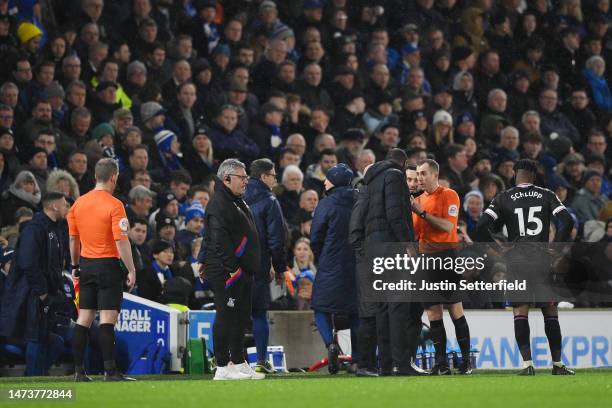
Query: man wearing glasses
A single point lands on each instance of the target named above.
(231, 258)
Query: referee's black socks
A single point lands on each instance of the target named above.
(438, 335)
(107, 344)
(79, 342)
(462, 331)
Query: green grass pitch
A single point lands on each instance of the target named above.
(589, 388)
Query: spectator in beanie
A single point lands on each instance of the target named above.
(464, 98)
(194, 224)
(152, 117)
(441, 133)
(199, 157)
(168, 154)
(168, 206)
(104, 102)
(473, 205)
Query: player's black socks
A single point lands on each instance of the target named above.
(521, 333)
(462, 331)
(107, 344)
(79, 342)
(553, 333)
(438, 335)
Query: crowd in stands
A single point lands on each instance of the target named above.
(171, 88)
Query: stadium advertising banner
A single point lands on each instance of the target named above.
(587, 338)
(142, 322)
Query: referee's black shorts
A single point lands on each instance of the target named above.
(444, 297)
(101, 283)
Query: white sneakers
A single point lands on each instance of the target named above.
(233, 372)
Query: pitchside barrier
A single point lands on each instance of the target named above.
(587, 335)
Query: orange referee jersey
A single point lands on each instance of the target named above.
(442, 203)
(99, 219)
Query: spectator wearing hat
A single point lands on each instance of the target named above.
(55, 94)
(472, 33)
(466, 127)
(559, 185)
(199, 156)
(441, 133)
(589, 201)
(194, 224)
(411, 58)
(152, 118)
(464, 98)
(552, 120)
(334, 289)
(482, 163)
(29, 37)
(473, 205)
(168, 157)
(24, 192)
(579, 112)
(136, 78)
(520, 99)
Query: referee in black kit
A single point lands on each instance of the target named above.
(232, 256)
(98, 228)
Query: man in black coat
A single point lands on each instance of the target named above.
(389, 219)
(34, 286)
(232, 258)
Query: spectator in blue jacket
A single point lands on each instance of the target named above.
(334, 296)
(270, 228)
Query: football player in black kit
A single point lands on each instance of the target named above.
(526, 211)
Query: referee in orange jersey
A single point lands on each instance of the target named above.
(435, 215)
(98, 228)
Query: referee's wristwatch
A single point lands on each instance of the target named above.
(423, 214)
